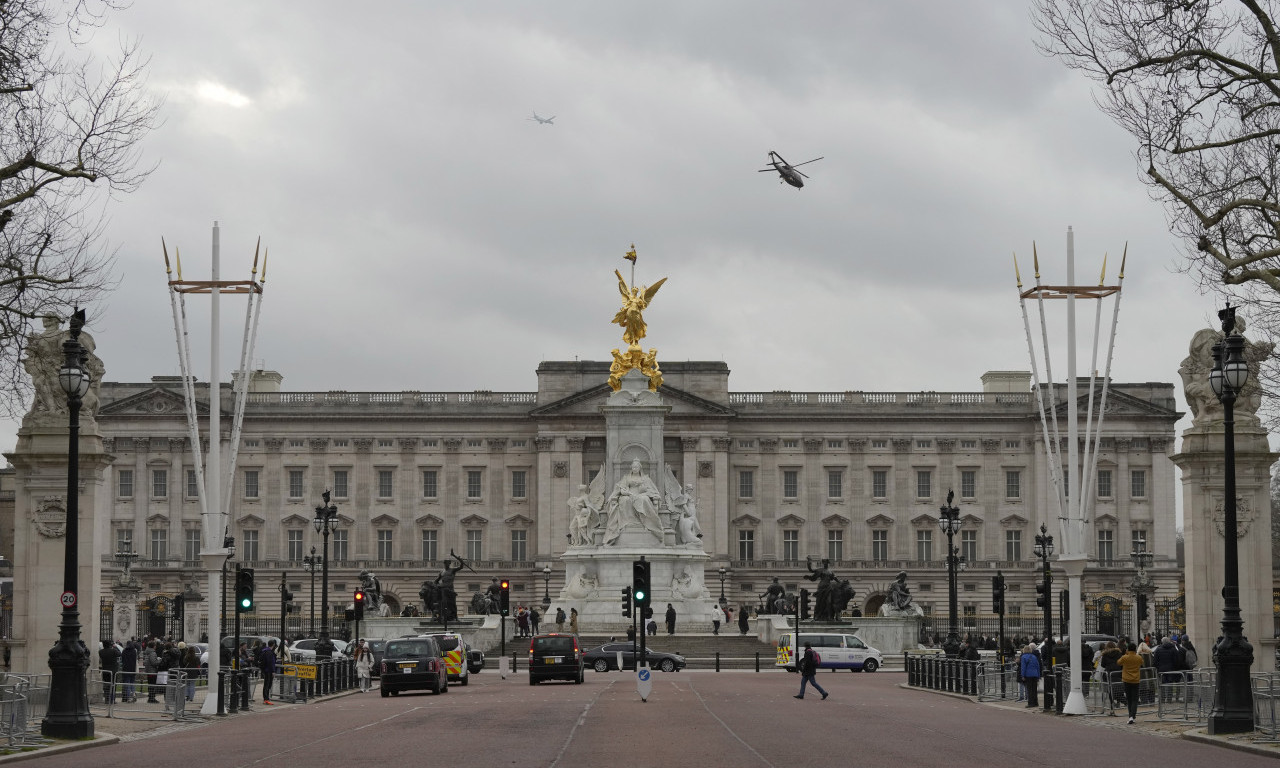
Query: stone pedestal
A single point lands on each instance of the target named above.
(1201, 462)
(39, 546)
(124, 611)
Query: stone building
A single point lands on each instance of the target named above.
(856, 477)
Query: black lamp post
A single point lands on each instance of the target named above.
(285, 597)
(546, 589)
(949, 522)
(68, 715)
(1142, 586)
(229, 544)
(1233, 704)
(1044, 550)
(311, 563)
(325, 521)
(724, 572)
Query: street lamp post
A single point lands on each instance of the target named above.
(1233, 704)
(546, 589)
(311, 563)
(949, 522)
(325, 521)
(67, 716)
(1143, 587)
(1044, 550)
(723, 572)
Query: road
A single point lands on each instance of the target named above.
(705, 719)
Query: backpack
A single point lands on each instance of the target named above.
(1189, 658)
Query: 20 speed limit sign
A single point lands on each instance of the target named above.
(68, 599)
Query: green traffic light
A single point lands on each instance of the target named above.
(246, 602)
(639, 595)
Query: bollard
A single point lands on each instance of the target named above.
(717, 661)
(757, 661)
(1047, 681)
(245, 686)
(233, 692)
(222, 679)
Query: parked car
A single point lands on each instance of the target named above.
(228, 641)
(1097, 641)
(555, 657)
(304, 650)
(413, 663)
(605, 658)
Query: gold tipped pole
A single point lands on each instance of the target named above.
(1017, 273)
(265, 253)
(1102, 278)
(167, 269)
(1035, 258)
(1123, 258)
(256, 248)
(177, 257)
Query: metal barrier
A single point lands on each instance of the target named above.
(1266, 703)
(24, 701)
(939, 673)
(997, 684)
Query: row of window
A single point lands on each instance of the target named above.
(925, 485)
(924, 545)
(518, 484)
(248, 544)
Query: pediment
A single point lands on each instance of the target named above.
(588, 403)
(1013, 521)
(880, 520)
(745, 521)
(795, 520)
(1119, 403)
(474, 520)
(296, 521)
(836, 521)
(924, 521)
(1105, 521)
(518, 521)
(152, 402)
(250, 521)
(158, 518)
(428, 521)
(971, 520)
(384, 521)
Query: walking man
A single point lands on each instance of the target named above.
(808, 671)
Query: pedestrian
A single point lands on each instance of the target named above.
(743, 624)
(364, 665)
(1131, 675)
(671, 619)
(1189, 658)
(560, 618)
(151, 665)
(191, 668)
(728, 616)
(535, 619)
(1086, 665)
(573, 620)
(129, 668)
(969, 651)
(717, 616)
(808, 671)
(109, 663)
(1029, 673)
(267, 663)
(522, 620)
(1168, 663)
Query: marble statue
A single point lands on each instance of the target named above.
(684, 514)
(899, 601)
(635, 500)
(1205, 407)
(43, 361)
(582, 585)
(682, 585)
(584, 518)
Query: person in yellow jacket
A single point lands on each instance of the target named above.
(1131, 674)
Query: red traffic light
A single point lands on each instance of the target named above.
(506, 584)
(359, 596)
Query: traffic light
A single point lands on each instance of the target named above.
(358, 604)
(804, 605)
(1064, 605)
(504, 597)
(1143, 611)
(244, 590)
(626, 602)
(997, 593)
(640, 582)
(1042, 598)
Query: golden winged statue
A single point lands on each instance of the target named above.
(635, 300)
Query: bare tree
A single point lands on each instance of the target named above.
(70, 128)
(1196, 83)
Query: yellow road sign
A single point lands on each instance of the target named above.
(300, 671)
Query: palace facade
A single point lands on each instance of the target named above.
(780, 477)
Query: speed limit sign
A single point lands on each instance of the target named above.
(68, 599)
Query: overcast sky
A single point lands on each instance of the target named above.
(424, 234)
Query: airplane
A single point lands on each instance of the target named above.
(543, 120)
(788, 173)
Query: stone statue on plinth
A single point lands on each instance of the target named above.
(824, 594)
(899, 602)
(43, 361)
(584, 517)
(635, 500)
(1205, 407)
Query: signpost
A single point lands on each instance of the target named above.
(644, 682)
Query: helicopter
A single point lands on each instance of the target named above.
(543, 120)
(788, 172)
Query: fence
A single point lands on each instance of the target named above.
(939, 673)
(24, 700)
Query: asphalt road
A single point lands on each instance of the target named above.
(704, 719)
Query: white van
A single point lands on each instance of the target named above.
(835, 651)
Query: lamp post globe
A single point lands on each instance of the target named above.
(67, 715)
(1233, 704)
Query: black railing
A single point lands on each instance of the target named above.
(939, 673)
